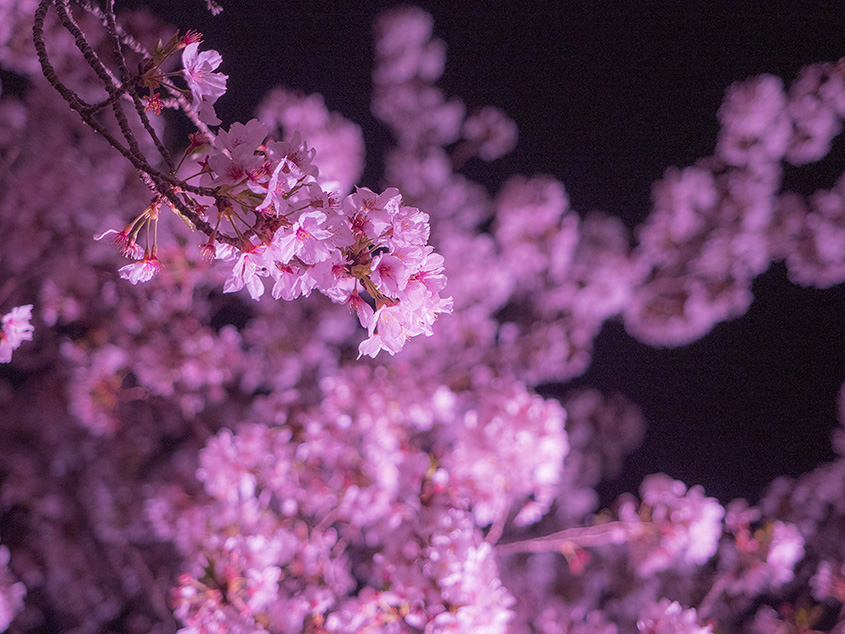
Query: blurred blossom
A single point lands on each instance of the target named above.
(180, 451)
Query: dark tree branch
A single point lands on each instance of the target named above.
(166, 185)
(94, 62)
(131, 91)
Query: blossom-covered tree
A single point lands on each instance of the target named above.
(182, 450)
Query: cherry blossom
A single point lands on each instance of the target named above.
(14, 330)
(12, 592)
(142, 271)
(306, 240)
(249, 268)
(176, 456)
(205, 85)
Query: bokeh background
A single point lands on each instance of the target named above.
(606, 95)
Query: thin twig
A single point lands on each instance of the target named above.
(124, 71)
(127, 40)
(109, 82)
(714, 593)
(163, 183)
(598, 535)
(497, 528)
(136, 46)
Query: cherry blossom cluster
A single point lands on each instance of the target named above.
(721, 222)
(288, 224)
(714, 226)
(174, 456)
(309, 239)
(401, 496)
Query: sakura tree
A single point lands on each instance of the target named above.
(183, 450)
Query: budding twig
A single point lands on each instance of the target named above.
(130, 82)
(162, 183)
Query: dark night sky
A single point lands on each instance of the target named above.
(607, 95)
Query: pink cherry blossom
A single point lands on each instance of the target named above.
(389, 329)
(128, 246)
(14, 330)
(291, 282)
(206, 86)
(142, 271)
(365, 312)
(492, 133)
(307, 239)
(236, 160)
(669, 617)
(241, 140)
(12, 592)
(389, 274)
(173, 458)
(247, 272)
